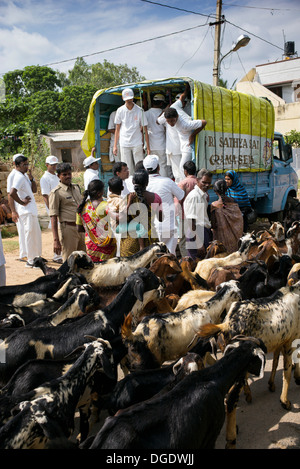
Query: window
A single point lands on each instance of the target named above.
(66, 155)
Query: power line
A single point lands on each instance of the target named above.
(176, 8)
(126, 45)
(254, 35)
(259, 8)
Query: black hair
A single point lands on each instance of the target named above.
(62, 168)
(140, 181)
(117, 167)
(94, 188)
(190, 167)
(115, 185)
(139, 165)
(20, 159)
(220, 188)
(170, 113)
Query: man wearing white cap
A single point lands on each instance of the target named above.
(15, 216)
(22, 192)
(131, 123)
(49, 181)
(167, 190)
(91, 166)
(157, 133)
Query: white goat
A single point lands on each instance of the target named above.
(275, 320)
(115, 271)
(163, 337)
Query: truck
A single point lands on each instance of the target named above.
(239, 134)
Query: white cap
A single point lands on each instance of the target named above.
(90, 160)
(127, 94)
(51, 160)
(16, 156)
(158, 97)
(151, 162)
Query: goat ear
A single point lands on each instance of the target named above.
(108, 366)
(138, 290)
(261, 355)
(177, 366)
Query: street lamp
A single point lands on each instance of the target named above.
(241, 41)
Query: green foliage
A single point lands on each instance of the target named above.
(293, 138)
(74, 104)
(39, 99)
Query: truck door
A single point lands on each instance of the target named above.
(282, 174)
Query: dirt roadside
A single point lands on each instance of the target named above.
(263, 424)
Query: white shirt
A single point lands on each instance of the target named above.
(184, 127)
(131, 121)
(22, 184)
(156, 132)
(167, 189)
(195, 207)
(9, 181)
(172, 137)
(48, 182)
(111, 126)
(89, 175)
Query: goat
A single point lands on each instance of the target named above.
(216, 249)
(42, 307)
(28, 293)
(277, 277)
(275, 320)
(159, 338)
(41, 263)
(294, 274)
(188, 417)
(82, 298)
(54, 343)
(115, 271)
(141, 385)
(48, 411)
(193, 297)
(205, 266)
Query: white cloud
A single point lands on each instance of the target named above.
(36, 32)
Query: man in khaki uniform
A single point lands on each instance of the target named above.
(63, 203)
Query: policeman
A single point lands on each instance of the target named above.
(63, 203)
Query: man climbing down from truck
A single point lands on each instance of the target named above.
(187, 130)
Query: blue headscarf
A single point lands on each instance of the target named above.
(237, 190)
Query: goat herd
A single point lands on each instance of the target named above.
(185, 334)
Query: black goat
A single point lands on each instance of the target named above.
(48, 411)
(191, 415)
(141, 385)
(48, 342)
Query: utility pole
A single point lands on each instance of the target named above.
(217, 43)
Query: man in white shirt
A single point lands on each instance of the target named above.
(167, 189)
(112, 130)
(15, 217)
(23, 187)
(49, 181)
(197, 225)
(187, 129)
(157, 133)
(91, 172)
(131, 124)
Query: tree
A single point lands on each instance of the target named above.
(43, 110)
(30, 80)
(293, 138)
(74, 105)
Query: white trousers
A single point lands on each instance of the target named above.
(177, 162)
(131, 155)
(21, 233)
(33, 236)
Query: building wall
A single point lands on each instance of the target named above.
(57, 147)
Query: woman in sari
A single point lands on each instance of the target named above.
(226, 218)
(238, 193)
(142, 207)
(91, 213)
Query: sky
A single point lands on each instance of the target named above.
(160, 41)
